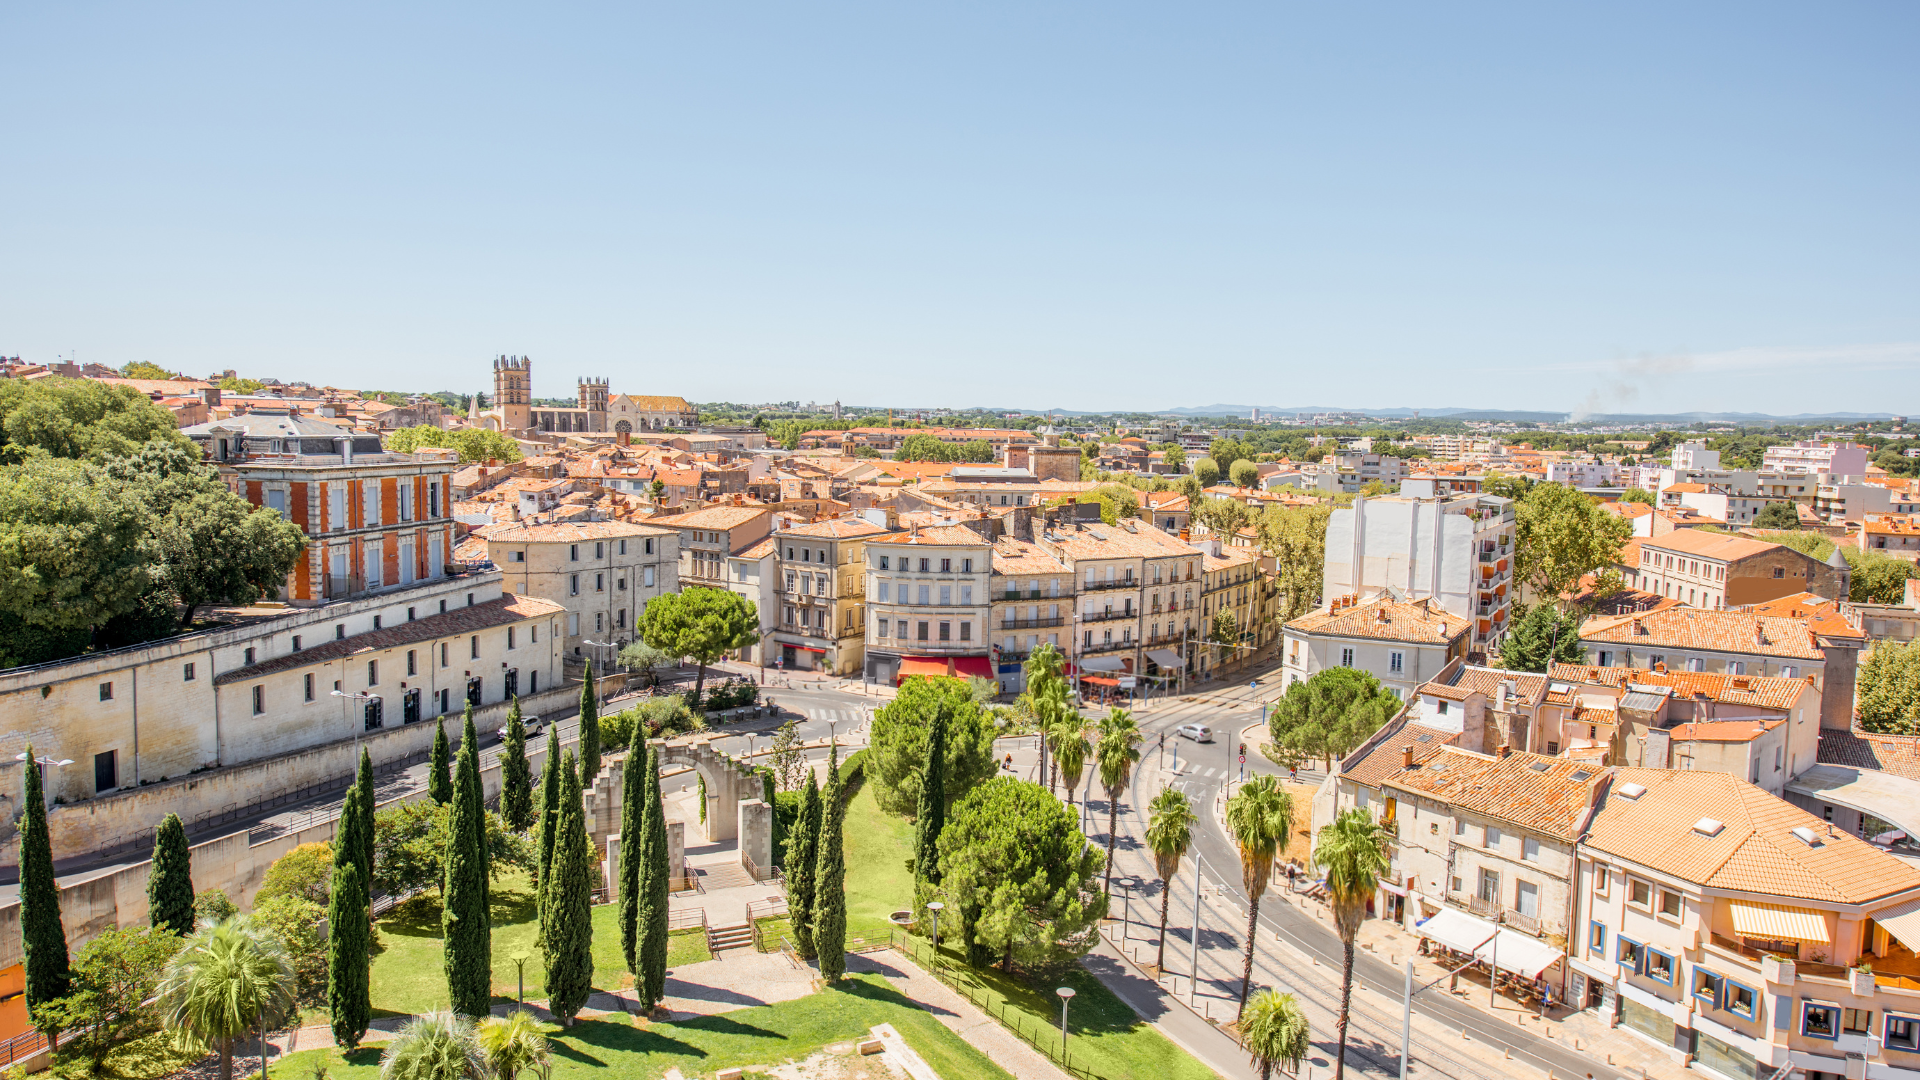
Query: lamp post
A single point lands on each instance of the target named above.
(520, 961)
(1066, 995)
(936, 907)
(363, 695)
(59, 763)
(601, 645)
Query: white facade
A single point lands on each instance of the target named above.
(1455, 551)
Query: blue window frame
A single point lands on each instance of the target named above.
(1902, 1032)
(1741, 1000)
(1628, 952)
(1597, 937)
(1708, 987)
(1818, 1021)
(1659, 966)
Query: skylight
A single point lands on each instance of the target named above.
(1583, 774)
(1707, 826)
(1540, 766)
(1806, 836)
(1632, 790)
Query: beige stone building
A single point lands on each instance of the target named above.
(709, 536)
(602, 573)
(1033, 604)
(1403, 645)
(1234, 585)
(927, 602)
(822, 590)
(1138, 591)
(1715, 570)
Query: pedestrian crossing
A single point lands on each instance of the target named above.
(839, 716)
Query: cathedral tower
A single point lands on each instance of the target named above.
(593, 398)
(513, 391)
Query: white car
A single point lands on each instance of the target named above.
(532, 725)
(1196, 732)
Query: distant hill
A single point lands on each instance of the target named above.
(1531, 416)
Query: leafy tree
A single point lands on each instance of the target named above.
(976, 451)
(466, 912)
(642, 657)
(228, 980)
(1511, 487)
(42, 936)
(896, 761)
(1206, 472)
(234, 384)
(920, 446)
(1070, 749)
(513, 1044)
(1024, 879)
(1297, 540)
(1890, 688)
(440, 763)
(930, 814)
(1169, 835)
(568, 906)
(1544, 635)
(1115, 755)
(1260, 817)
(516, 777)
(437, 1046)
(589, 727)
(1351, 851)
(1777, 515)
(1327, 715)
(650, 976)
(830, 880)
(170, 879)
(113, 976)
(1878, 578)
(803, 846)
(349, 942)
(215, 547)
(72, 556)
(303, 872)
(1638, 495)
(297, 924)
(1561, 536)
(473, 444)
(212, 906)
(356, 827)
(1222, 517)
(789, 760)
(1224, 452)
(705, 624)
(81, 419)
(410, 843)
(1244, 473)
(144, 369)
(1274, 1030)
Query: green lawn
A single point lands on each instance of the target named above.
(409, 974)
(700, 1047)
(1105, 1035)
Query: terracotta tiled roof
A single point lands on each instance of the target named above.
(656, 403)
(1546, 794)
(1798, 606)
(1755, 851)
(847, 528)
(1723, 730)
(935, 535)
(1468, 679)
(1013, 557)
(1765, 691)
(1628, 510)
(760, 550)
(508, 609)
(1116, 542)
(1896, 754)
(1386, 620)
(715, 517)
(1705, 545)
(1381, 760)
(1713, 631)
(1685, 489)
(563, 532)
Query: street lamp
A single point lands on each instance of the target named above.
(600, 645)
(936, 907)
(520, 961)
(363, 696)
(43, 762)
(1066, 995)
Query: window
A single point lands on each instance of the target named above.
(106, 691)
(1600, 876)
(1670, 904)
(600, 550)
(946, 631)
(900, 629)
(1856, 1021)
(966, 631)
(923, 631)
(599, 583)
(1459, 828)
(946, 596)
(966, 594)
(1526, 899)
(443, 654)
(1659, 966)
(1739, 1000)
(296, 643)
(1708, 986)
(573, 552)
(573, 585)
(623, 547)
(1639, 893)
(599, 621)
(373, 673)
(1779, 571)
(1530, 849)
(1820, 1021)
(308, 680)
(186, 674)
(1346, 657)
(884, 560)
(1493, 837)
(259, 700)
(1629, 953)
(923, 566)
(1442, 708)
(1902, 1032)
(946, 566)
(1394, 661)
(881, 627)
(1597, 938)
(473, 647)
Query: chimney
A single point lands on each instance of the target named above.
(1406, 757)
(1502, 751)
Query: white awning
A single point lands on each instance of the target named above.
(1102, 663)
(1903, 923)
(1519, 954)
(1456, 929)
(1166, 658)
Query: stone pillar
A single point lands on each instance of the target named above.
(676, 855)
(611, 867)
(756, 838)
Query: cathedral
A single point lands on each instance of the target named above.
(599, 411)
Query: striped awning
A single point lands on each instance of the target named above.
(1903, 923)
(1752, 919)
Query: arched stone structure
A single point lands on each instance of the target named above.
(728, 784)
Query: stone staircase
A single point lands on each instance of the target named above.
(738, 936)
(724, 876)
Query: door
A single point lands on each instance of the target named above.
(106, 771)
(513, 683)
(1489, 886)
(374, 714)
(410, 707)
(1526, 899)
(473, 691)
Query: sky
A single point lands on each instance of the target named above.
(1644, 207)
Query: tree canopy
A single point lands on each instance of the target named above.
(1244, 473)
(473, 444)
(1543, 635)
(1637, 495)
(1890, 688)
(1777, 515)
(704, 624)
(82, 419)
(1560, 537)
(921, 446)
(1327, 715)
(1023, 876)
(1297, 540)
(896, 761)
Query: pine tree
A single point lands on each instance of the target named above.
(932, 813)
(170, 879)
(440, 765)
(633, 836)
(651, 976)
(41, 934)
(830, 883)
(569, 900)
(802, 845)
(349, 996)
(464, 919)
(589, 731)
(516, 779)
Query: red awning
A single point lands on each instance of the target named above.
(806, 648)
(1099, 681)
(958, 667)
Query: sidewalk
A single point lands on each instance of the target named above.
(961, 1017)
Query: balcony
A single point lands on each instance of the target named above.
(1109, 646)
(1109, 615)
(1102, 586)
(944, 648)
(1030, 624)
(340, 587)
(1016, 594)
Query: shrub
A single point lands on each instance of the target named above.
(296, 921)
(303, 872)
(212, 906)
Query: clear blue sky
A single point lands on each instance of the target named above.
(1650, 207)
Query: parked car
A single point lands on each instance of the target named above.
(532, 725)
(1196, 732)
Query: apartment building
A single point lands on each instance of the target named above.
(1735, 643)
(1401, 644)
(601, 573)
(928, 602)
(1138, 590)
(753, 574)
(1349, 471)
(1890, 533)
(374, 520)
(1836, 500)
(1033, 603)
(1717, 570)
(1743, 935)
(1455, 550)
(1837, 458)
(1236, 609)
(822, 589)
(1493, 707)
(709, 536)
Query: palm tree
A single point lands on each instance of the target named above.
(1260, 816)
(1275, 1032)
(1117, 753)
(227, 980)
(1070, 751)
(1052, 707)
(513, 1043)
(1169, 835)
(1352, 851)
(437, 1046)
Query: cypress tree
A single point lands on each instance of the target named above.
(516, 779)
(589, 731)
(41, 934)
(439, 766)
(633, 837)
(170, 879)
(349, 995)
(802, 844)
(569, 906)
(464, 922)
(931, 815)
(549, 804)
(651, 976)
(364, 844)
(830, 883)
